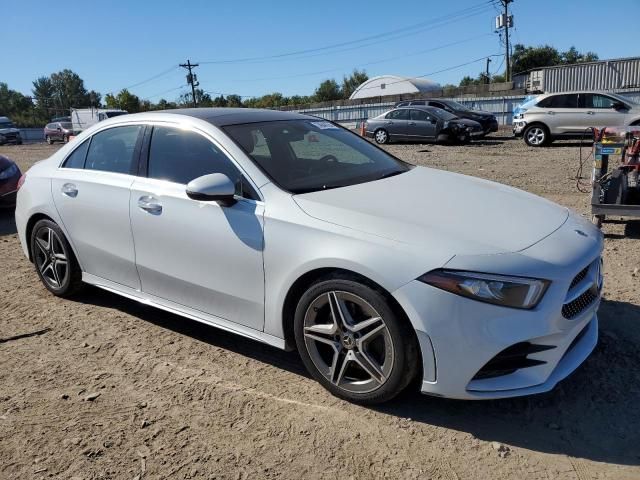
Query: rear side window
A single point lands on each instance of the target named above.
(595, 100)
(113, 150)
(398, 115)
(180, 156)
(77, 157)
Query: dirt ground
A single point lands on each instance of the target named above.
(104, 388)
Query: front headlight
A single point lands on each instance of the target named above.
(9, 172)
(515, 292)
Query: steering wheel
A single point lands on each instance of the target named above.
(328, 158)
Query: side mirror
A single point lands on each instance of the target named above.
(216, 187)
(619, 106)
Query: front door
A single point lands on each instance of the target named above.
(91, 193)
(396, 123)
(421, 125)
(200, 255)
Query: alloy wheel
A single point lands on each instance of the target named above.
(50, 257)
(348, 342)
(536, 136)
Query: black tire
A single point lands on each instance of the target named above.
(65, 139)
(62, 278)
(397, 347)
(49, 140)
(381, 136)
(536, 135)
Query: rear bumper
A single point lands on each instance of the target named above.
(8, 199)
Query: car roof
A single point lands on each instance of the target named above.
(233, 116)
(418, 107)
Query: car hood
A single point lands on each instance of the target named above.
(450, 212)
(469, 123)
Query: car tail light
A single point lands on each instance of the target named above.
(23, 177)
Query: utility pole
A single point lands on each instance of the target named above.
(192, 79)
(507, 20)
(488, 74)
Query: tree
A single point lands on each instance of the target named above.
(15, 105)
(164, 105)
(528, 58)
(327, 91)
(350, 83)
(467, 80)
(124, 100)
(43, 92)
(68, 90)
(234, 101)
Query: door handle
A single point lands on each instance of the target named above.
(412, 123)
(70, 190)
(389, 122)
(591, 113)
(150, 204)
(551, 113)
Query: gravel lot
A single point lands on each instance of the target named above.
(105, 388)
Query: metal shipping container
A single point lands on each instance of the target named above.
(605, 75)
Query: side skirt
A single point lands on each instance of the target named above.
(176, 309)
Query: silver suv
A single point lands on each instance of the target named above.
(570, 114)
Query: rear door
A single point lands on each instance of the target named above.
(396, 123)
(421, 125)
(91, 192)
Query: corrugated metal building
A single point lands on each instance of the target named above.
(617, 75)
(393, 85)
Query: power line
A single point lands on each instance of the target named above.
(361, 65)
(397, 33)
(163, 92)
(150, 79)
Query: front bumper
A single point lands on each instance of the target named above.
(518, 127)
(460, 337)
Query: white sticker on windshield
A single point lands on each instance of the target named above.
(324, 125)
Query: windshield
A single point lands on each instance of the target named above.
(458, 106)
(443, 114)
(6, 125)
(66, 125)
(308, 155)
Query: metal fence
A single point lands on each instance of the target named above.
(501, 107)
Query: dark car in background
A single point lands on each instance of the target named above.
(415, 124)
(9, 176)
(8, 132)
(488, 120)
(58, 132)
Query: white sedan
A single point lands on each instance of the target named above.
(295, 232)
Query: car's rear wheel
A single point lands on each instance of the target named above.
(352, 341)
(55, 262)
(49, 140)
(536, 135)
(381, 136)
(65, 139)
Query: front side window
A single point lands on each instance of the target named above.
(308, 155)
(419, 115)
(560, 101)
(113, 150)
(180, 156)
(77, 157)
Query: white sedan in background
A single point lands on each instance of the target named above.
(293, 231)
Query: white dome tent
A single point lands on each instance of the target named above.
(393, 85)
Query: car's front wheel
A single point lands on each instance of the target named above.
(536, 135)
(352, 341)
(54, 260)
(49, 140)
(381, 136)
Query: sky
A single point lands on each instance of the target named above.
(257, 47)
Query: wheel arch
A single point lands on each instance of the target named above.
(304, 281)
(35, 218)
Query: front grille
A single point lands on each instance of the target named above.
(573, 309)
(511, 359)
(579, 277)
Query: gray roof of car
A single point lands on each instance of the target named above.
(233, 116)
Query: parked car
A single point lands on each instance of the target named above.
(58, 132)
(9, 178)
(420, 124)
(61, 119)
(8, 132)
(488, 120)
(293, 231)
(548, 117)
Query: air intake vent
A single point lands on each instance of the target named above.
(511, 359)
